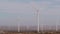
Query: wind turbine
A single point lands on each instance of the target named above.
(18, 24)
(57, 21)
(37, 19)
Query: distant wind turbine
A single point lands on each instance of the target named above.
(18, 19)
(38, 20)
(57, 21)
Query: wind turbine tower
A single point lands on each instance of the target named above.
(37, 20)
(18, 20)
(57, 21)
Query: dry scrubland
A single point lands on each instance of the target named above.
(31, 30)
(30, 33)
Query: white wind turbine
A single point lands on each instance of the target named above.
(18, 21)
(37, 13)
(57, 22)
(37, 19)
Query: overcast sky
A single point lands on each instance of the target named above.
(23, 12)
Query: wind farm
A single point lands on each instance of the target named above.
(29, 17)
(39, 29)
(31, 30)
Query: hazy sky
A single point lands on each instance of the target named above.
(10, 10)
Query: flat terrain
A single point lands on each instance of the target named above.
(30, 33)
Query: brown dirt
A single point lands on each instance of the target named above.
(31, 33)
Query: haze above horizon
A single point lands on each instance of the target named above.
(10, 10)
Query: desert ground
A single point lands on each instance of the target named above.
(30, 32)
